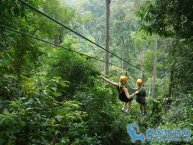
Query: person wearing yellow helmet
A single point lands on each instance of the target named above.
(123, 92)
(140, 96)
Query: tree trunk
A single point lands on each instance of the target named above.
(154, 68)
(134, 50)
(150, 87)
(58, 38)
(1, 38)
(107, 36)
(143, 69)
(171, 82)
(3, 46)
(122, 52)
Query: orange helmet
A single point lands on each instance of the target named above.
(139, 82)
(123, 78)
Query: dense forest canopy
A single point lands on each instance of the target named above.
(51, 91)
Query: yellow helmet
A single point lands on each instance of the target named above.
(123, 78)
(139, 82)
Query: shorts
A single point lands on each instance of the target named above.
(141, 100)
(125, 99)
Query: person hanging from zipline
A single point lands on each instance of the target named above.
(140, 96)
(123, 92)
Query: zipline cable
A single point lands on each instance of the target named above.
(78, 34)
(59, 46)
(45, 41)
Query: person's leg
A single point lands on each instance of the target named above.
(145, 108)
(141, 108)
(124, 106)
(128, 107)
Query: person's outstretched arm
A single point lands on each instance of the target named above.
(109, 81)
(127, 93)
(136, 92)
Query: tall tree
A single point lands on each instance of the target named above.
(142, 72)
(168, 18)
(107, 36)
(154, 68)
